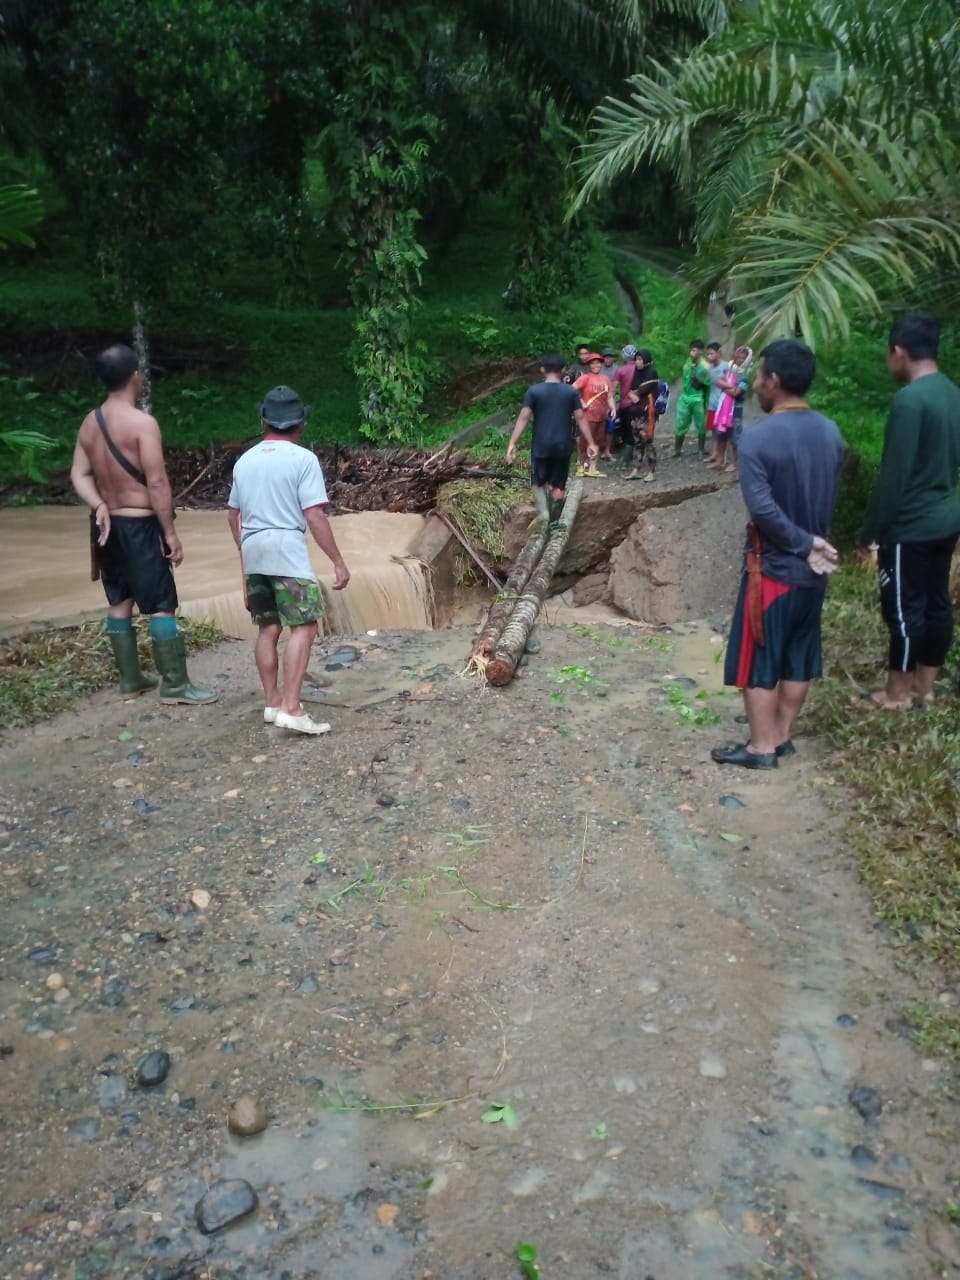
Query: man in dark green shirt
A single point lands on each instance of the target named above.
(914, 514)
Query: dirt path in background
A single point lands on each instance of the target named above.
(546, 897)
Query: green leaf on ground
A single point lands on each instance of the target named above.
(599, 1131)
(318, 859)
(500, 1113)
(125, 736)
(731, 837)
(526, 1255)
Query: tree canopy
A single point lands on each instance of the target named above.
(819, 141)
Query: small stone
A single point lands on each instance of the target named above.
(247, 1116)
(200, 899)
(866, 1101)
(309, 985)
(862, 1156)
(121, 783)
(40, 955)
(896, 1224)
(731, 802)
(224, 1203)
(61, 996)
(55, 981)
(846, 1020)
(385, 800)
(144, 806)
(533, 644)
(62, 1044)
(712, 1067)
(152, 1068)
(111, 1092)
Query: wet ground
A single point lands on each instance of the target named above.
(502, 967)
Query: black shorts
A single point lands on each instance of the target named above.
(791, 633)
(133, 565)
(550, 471)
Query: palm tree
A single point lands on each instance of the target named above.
(819, 141)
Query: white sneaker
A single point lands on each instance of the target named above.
(300, 724)
(270, 715)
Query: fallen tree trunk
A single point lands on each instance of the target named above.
(504, 603)
(500, 667)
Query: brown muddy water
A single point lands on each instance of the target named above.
(546, 897)
(45, 574)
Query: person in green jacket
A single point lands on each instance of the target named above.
(692, 404)
(913, 517)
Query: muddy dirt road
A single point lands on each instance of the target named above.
(544, 905)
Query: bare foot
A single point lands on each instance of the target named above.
(880, 700)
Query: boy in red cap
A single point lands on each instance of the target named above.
(596, 394)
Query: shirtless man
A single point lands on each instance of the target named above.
(118, 471)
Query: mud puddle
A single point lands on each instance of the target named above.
(500, 967)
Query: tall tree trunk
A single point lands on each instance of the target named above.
(499, 670)
(141, 344)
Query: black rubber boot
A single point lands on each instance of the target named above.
(171, 659)
(677, 445)
(132, 679)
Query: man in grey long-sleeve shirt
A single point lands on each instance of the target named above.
(789, 475)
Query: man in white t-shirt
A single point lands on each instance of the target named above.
(278, 493)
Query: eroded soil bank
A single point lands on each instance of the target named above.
(546, 897)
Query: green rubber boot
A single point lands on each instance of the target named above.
(171, 659)
(132, 679)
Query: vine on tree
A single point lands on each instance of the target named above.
(378, 150)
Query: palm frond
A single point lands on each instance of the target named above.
(20, 209)
(859, 231)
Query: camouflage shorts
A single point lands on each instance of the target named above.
(293, 602)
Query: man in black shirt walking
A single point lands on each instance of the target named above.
(554, 407)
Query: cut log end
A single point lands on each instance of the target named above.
(499, 672)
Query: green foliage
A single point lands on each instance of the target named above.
(820, 143)
(23, 449)
(501, 1113)
(20, 211)
(526, 1255)
(698, 714)
(902, 770)
(377, 150)
(155, 121)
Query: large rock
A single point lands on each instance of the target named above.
(681, 562)
(603, 520)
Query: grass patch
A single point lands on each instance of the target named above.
(44, 672)
(903, 770)
(481, 508)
